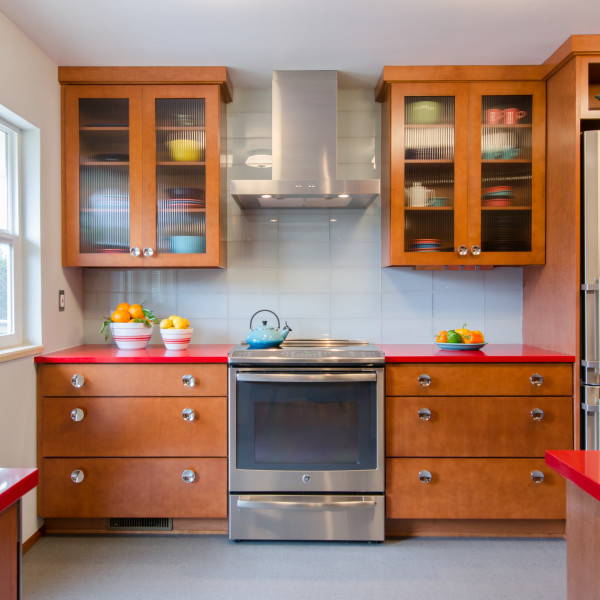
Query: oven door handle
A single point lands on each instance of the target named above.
(249, 502)
(306, 377)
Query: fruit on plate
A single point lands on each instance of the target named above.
(128, 313)
(174, 322)
(461, 335)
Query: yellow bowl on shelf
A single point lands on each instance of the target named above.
(184, 150)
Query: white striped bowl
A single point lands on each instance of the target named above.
(131, 336)
(176, 339)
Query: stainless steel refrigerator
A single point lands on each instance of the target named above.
(590, 293)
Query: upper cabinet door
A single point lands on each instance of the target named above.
(102, 175)
(181, 175)
(428, 182)
(507, 173)
(142, 175)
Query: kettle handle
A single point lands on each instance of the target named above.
(265, 310)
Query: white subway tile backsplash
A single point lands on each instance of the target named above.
(302, 280)
(355, 306)
(461, 307)
(355, 254)
(303, 306)
(406, 305)
(365, 280)
(318, 269)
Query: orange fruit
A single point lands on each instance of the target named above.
(123, 306)
(136, 311)
(120, 316)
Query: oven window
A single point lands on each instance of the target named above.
(318, 426)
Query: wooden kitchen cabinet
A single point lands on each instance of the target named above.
(463, 166)
(132, 441)
(144, 174)
(465, 447)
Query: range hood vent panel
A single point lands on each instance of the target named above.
(304, 149)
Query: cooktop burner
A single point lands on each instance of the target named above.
(309, 352)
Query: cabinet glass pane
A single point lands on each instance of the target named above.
(180, 176)
(104, 175)
(506, 155)
(429, 174)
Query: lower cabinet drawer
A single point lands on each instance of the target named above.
(473, 488)
(477, 426)
(134, 426)
(133, 487)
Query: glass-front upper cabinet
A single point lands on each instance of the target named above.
(142, 175)
(465, 163)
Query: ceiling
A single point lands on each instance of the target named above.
(254, 37)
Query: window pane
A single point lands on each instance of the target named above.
(3, 180)
(7, 325)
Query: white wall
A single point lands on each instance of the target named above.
(29, 88)
(321, 275)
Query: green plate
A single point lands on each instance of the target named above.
(447, 346)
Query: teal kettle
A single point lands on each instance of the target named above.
(264, 336)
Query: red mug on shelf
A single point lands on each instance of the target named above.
(494, 116)
(513, 116)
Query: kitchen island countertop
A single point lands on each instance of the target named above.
(217, 353)
(581, 467)
(15, 483)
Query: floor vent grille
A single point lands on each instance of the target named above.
(140, 523)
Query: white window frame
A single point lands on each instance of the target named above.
(13, 236)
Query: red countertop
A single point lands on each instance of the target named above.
(217, 353)
(109, 353)
(411, 353)
(581, 467)
(15, 483)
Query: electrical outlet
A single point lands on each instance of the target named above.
(61, 300)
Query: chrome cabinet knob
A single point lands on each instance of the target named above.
(188, 476)
(148, 251)
(77, 380)
(462, 250)
(424, 380)
(424, 414)
(537, 414)
(77, 414)
(475, 250)
(134, 251)
(536, 379)
(188, 414)
(537, 477)
(425, 476)
(188, 381)
(77, 476)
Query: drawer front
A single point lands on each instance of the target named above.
(492, 379)
(142, 487)
(133, 380)
(473, 488)
(135, 426)
(477, 427)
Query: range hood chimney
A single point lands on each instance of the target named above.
(304, 151)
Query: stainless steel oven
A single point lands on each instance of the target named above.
(306, 442)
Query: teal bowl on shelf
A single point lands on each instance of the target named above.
(188, 244)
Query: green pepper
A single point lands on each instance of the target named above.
(454, 337)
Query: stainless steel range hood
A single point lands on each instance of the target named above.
(304, 152)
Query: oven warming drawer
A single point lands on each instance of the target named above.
(358, 518)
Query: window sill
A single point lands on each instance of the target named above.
(15, 352)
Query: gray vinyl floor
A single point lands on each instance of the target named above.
(211, 567)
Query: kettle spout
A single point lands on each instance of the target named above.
(286, 329)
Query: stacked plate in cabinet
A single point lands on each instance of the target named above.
(426, 245)
(499, 195)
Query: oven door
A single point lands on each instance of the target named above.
(306, 431)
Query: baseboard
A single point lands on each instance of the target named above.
(30, 541)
